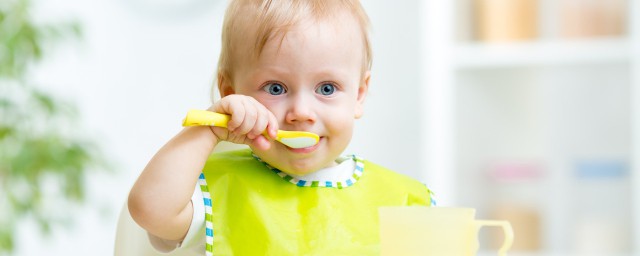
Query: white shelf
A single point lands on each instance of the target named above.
(572, 72)
(538, 53)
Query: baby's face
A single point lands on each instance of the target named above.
(313, 81)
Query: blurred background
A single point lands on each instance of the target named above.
(522, 109)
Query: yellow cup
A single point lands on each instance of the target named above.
(417, 230)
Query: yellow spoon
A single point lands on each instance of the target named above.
(293, 139)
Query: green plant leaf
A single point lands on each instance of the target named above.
(34, 151)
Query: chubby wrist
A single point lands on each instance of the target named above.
(203, 135)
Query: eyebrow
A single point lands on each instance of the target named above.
(329, 72)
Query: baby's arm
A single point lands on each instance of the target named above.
(160, 200)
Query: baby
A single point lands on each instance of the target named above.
(301, 65)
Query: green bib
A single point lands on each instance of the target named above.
(257, 210)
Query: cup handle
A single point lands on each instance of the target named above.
(508, 233)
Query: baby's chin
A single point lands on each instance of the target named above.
(294, 164)
(298, 167)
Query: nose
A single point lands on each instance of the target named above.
(300, 110)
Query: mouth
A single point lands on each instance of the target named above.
(306, 149)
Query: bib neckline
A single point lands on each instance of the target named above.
(357, 173)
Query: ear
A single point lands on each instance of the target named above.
(363, 90)
(224, 86)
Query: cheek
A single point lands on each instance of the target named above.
(339, 123)
(277, 109)
(275, 106)
(340, 132)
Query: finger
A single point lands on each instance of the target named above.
(251, 136)
(234, 107)
(261, 143)
(272, 126)
(249, 120)
(261, 123)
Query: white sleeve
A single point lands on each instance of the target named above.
(195, 237)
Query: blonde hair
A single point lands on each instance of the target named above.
(261, 20)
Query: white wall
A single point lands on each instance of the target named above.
(389, 132)
(138, 69)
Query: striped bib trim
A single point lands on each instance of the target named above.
(357, 173)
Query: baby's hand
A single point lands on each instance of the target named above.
(249, 119)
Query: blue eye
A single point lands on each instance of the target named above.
(274, 89)
(326, 89)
